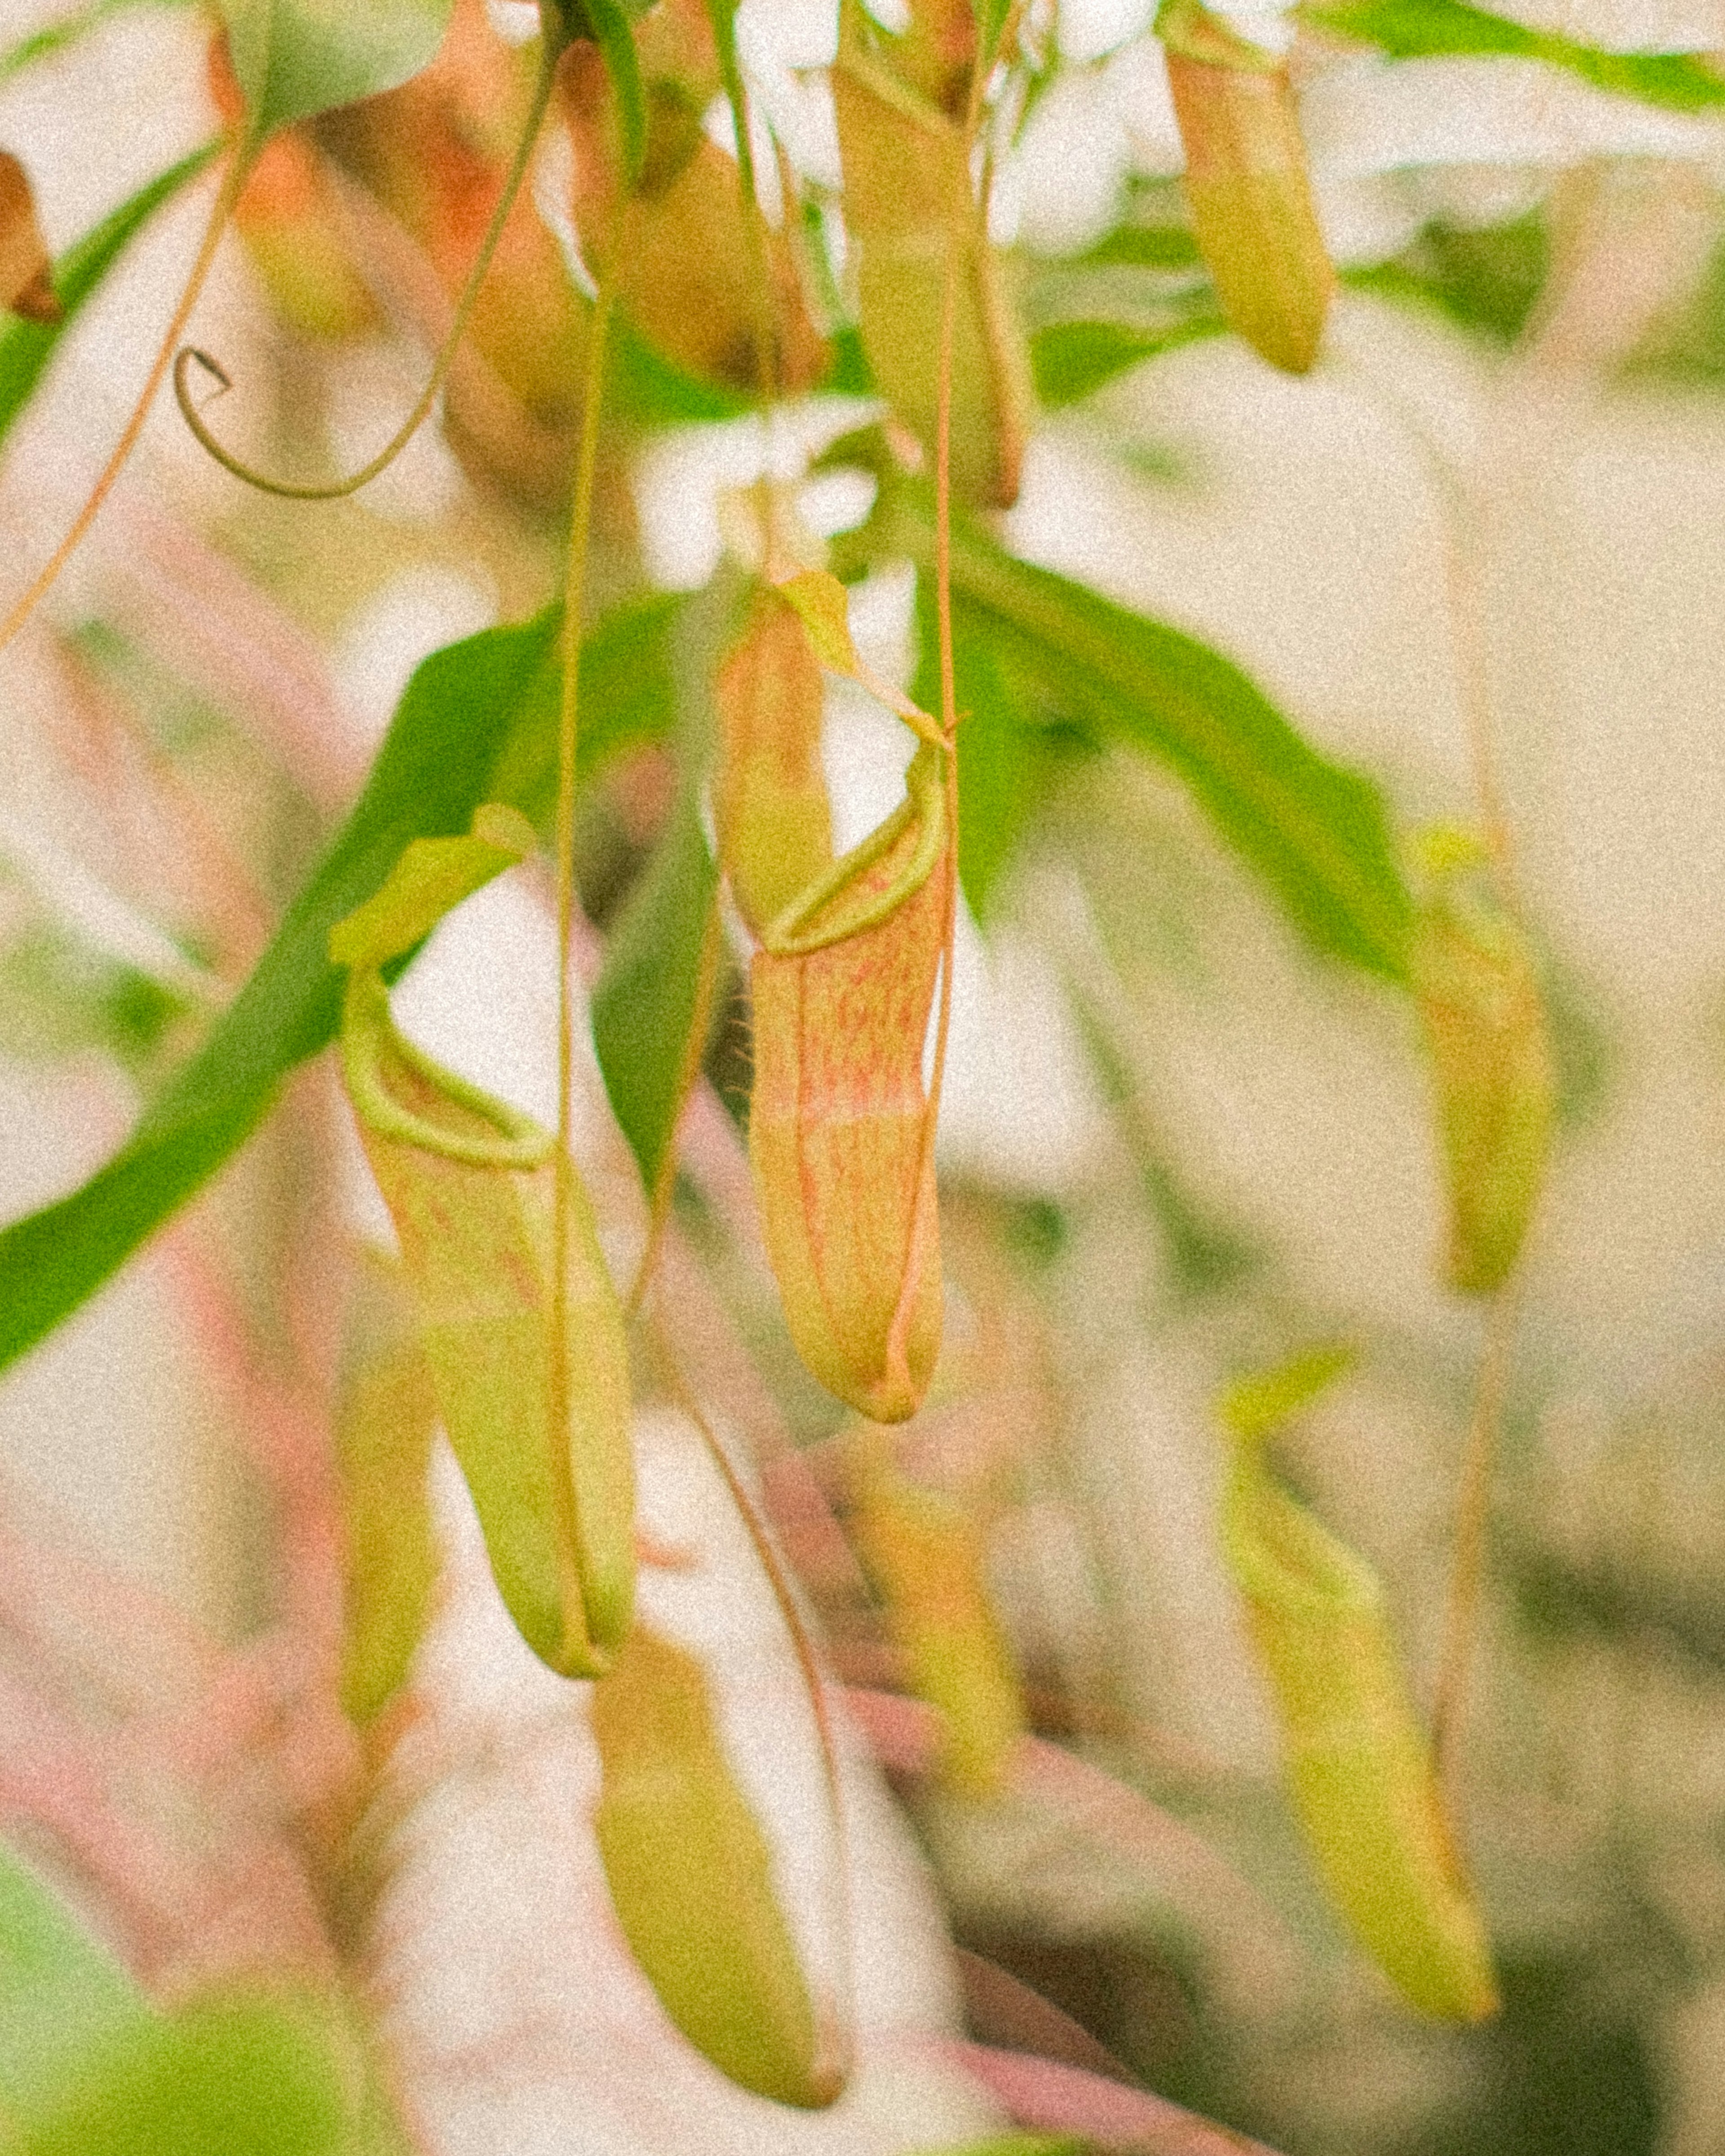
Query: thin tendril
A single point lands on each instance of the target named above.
(569, 734)
(338, 489)
(949, 700)
(232, 182)
(809, 1663)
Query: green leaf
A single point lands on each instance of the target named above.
(295, 58)
(990, 21)
(1314, 830)
(1486, 281)
(230, 2076)
(26, 347)
(1004, 753)
(1070, 359)
(647, 390)
(70, 30)
(61, 1997)
(629, 696)
(477, 721)
(648, 1006)
(616, 41)
(1421, 29)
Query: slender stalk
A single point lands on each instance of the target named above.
(568, 737)
(1472, 1511)
(338, 489)
(949, 699)
(233, 180)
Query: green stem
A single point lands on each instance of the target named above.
(568, 737)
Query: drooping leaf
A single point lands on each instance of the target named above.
(478, 719)
(653, 1002)
(469, 1185)
(1247, 185)
(924, 1554)
(26, 347)
(295, 58)
(1421, 29)
(692, 1880)
(1313, 829)
(628, 697)
(1485, 279)
(63, 2000)
(775, 823)
(1359, 1767)
(839, 1137)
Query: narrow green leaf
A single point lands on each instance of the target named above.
(1004, 753)
(990, 21)
(62, 1999)
(477, 721)
(647, 1007)
(1421, 29)
(1485, 279)
(60, 37)
(616, 41)
(1314, 830)
(1068, 360)
(26, 347)
(295, 58)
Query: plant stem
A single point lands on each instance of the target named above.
(568, 737)
(233, 180)
(338, 489)
(1472, 1511)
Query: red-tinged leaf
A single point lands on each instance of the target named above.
(838, 1122)
(26, 286)
(1058, 2099)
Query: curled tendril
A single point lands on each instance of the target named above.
(337, 490)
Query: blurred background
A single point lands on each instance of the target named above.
(1174, 1143)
